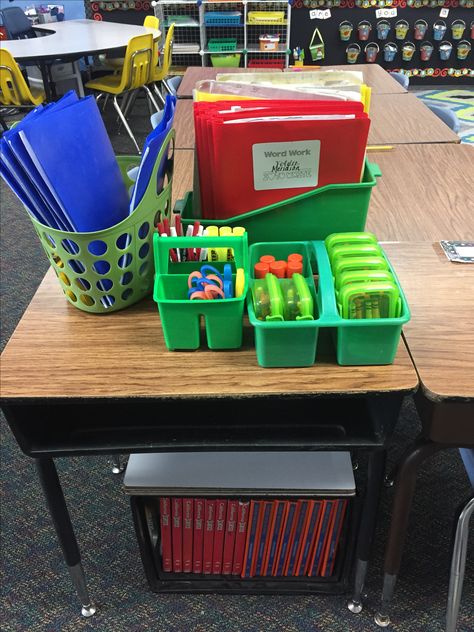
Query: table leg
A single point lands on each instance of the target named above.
(46, 84)
(53, 492)
(376, 469)
(404, 490)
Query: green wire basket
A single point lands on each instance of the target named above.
(110, 269)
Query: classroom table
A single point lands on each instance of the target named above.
(425, 193)
(108, 385)
(440, 338)
(399, 119)
(72, 39)
(184, 124)
(199, 73)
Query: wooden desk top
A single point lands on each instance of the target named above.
(198, 73)
(184, 124)
(76, 38)
(425, 193)
(183, 174)
(404, 118)
(57, 351)
(440, 334)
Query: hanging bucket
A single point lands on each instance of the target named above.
(352, 53)
(383, 29)
(458, 27)
(345, 30)
(364, 29)
(463, 49)
(401, 29)
(408, 51)
(445, 49)
(389, 51)
(439, 30)
(420, 29)
(371, 51)
(426, 50)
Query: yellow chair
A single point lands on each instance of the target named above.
(134, 75)
(160, 72)
(116, 63)
(14, 91)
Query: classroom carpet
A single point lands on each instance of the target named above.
(459, 101)
(36, 591)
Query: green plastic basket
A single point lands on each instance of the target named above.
(123, 273)
(294, 343)
(314, 215)
(222, 44)
(226, 61)
(180, 316)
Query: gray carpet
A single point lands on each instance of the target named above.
(36, 591)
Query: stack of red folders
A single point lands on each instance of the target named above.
(252, 538)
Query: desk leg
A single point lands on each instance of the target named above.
(53, 492)
(365, 538)
(404, 490)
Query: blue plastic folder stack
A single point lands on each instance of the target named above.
(60, 163)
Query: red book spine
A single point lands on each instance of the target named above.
(229, 538)
(187, 535)
(165, 523)
(177, 534)
(198, 534)
(219, 531)
(240, 537)
(209, 512)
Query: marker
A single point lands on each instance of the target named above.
(268, 259)
(278, 268)
(294, 267)
(260, 270)
(225, 254)
(212, 231)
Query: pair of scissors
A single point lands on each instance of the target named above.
(209, 283)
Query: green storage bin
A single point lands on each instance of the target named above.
(295, 343)
(222, 44)
(310, 216)
(123, 274)
(226, 61)
(180, 316)
(284, 343)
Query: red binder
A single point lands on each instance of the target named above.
(229, 538)
(165, 523)
(240, 537)
(198, 535)
(208, 544)
(177, 534)
(219, 531)
(187, 535)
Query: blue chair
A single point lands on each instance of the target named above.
(17, 25)
(403, 80)
(458, 561)
(446, 115)
(172, 84)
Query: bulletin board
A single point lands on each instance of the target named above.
(126, 11)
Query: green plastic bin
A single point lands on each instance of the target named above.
(226, 61)
(123, 273)
(293, 344)
(314, 215)
(180, 316)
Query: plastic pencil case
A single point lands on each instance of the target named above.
(266, 17)
(222, 18)
(292, 344)
(120, 272)
(224, 44)
(180, 316)
(226, 61)
(334, 208)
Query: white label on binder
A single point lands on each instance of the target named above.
(320, 14)
(444, 13)
(289, 165)
(386, 13)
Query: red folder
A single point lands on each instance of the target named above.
(198, 535)
(240, 537)
(229, 538)
(165, 523)
(177, 534)
(208, 544)
(219, 531)
(187, 535)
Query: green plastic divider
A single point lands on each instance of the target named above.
(123, 273)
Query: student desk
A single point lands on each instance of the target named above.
(108, 385)
(199, 73)
(440, 337)
(399, 119)
(424, 194)
(184, 124)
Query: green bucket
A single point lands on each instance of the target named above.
(121, 272)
